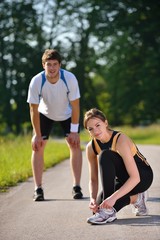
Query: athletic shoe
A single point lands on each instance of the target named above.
(76, 192)
(38, 195)
(103, 216)
(140, 205)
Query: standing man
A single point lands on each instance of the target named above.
(53, 96)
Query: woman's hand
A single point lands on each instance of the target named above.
(108, 202)
(93, 205)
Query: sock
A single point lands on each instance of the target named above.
(36, 187)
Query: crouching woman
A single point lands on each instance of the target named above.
(125, 173)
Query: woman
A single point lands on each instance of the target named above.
(125, 173)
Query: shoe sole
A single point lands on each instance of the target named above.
(111, 219)
(38, 199)
(78, 196)
(142, 214)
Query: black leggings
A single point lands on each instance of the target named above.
(114, 174)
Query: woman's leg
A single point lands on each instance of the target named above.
(110, 163)
(114, 175)
(113, 172)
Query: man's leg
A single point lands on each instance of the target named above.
(75, 160)
(76, 165)
(37, 161)
(76, 169)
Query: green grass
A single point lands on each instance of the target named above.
(143, 135)
(15, 164)
(140, 135)
(15, 152)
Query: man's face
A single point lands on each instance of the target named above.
(51, 68)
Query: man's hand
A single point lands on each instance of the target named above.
(37, 142)
(73, 139)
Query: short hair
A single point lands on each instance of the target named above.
(93, 113)
(51, 54)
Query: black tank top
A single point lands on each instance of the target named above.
(139, 158)
(106, 145)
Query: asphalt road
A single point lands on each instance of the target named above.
(61, 217)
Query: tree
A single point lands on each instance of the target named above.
(19, 45)
(111, 46)
(132, 69)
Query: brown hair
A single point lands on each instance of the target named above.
(51, 54)
(93, 113)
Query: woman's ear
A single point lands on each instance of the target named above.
(106, 122)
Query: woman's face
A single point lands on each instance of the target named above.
(97, 128)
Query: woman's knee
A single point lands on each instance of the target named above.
(106, 154)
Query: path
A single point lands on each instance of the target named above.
(61, 218)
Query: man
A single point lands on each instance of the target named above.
(53, 96)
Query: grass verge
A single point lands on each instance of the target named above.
(140, 135)
(15, 165)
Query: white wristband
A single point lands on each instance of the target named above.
(74, 127)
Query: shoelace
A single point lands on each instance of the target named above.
(102, 213)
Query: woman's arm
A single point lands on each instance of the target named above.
(93, 176)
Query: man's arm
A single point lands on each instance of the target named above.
(73, 137)
(34, 115)
(75, 111)
(35, 120)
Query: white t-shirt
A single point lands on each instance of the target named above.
(54, 102)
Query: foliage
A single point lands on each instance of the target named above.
(133, 58)
(113, 47)
(20, 57)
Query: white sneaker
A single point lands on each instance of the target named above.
(140, 205)
(103, 216)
